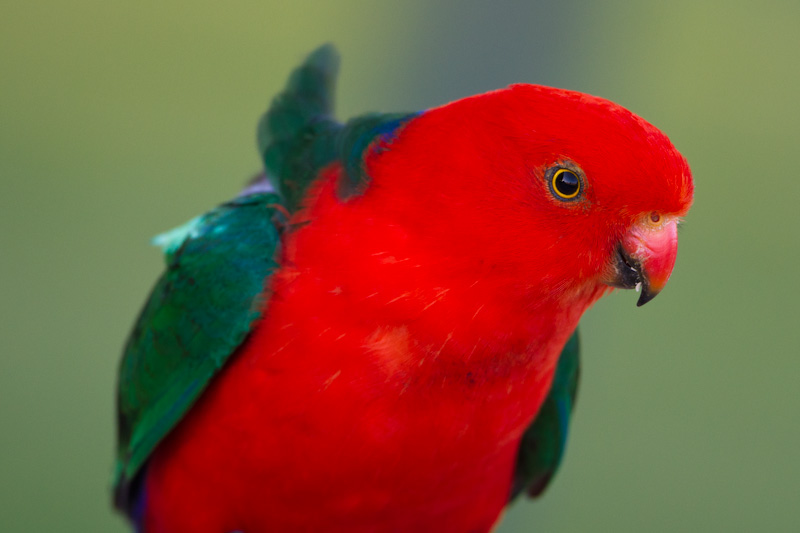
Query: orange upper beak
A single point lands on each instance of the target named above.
(645, 258)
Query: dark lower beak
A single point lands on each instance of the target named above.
(630, 275)
(644, 260)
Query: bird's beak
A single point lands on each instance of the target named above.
(645, 257)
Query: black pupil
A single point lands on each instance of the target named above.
(567, 183)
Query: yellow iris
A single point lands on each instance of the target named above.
(566, 184)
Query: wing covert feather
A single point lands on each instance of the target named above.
(200, 311)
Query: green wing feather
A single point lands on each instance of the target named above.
(218, 265)
(200, 310)
(544, 442)
(298, 136)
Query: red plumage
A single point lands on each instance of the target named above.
(412, 331)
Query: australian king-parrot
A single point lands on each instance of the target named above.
(379, 332)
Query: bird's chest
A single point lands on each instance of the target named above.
(371, 429)
(378, 427)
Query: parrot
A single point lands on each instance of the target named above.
(379, 332)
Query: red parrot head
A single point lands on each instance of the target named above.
(556, 191)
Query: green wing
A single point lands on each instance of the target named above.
(544, 442)
(218, 265)
(200, 310)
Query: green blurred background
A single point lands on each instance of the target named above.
(119, 120)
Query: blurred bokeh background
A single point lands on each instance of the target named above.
(120, 119)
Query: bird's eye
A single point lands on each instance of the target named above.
(565, 184)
